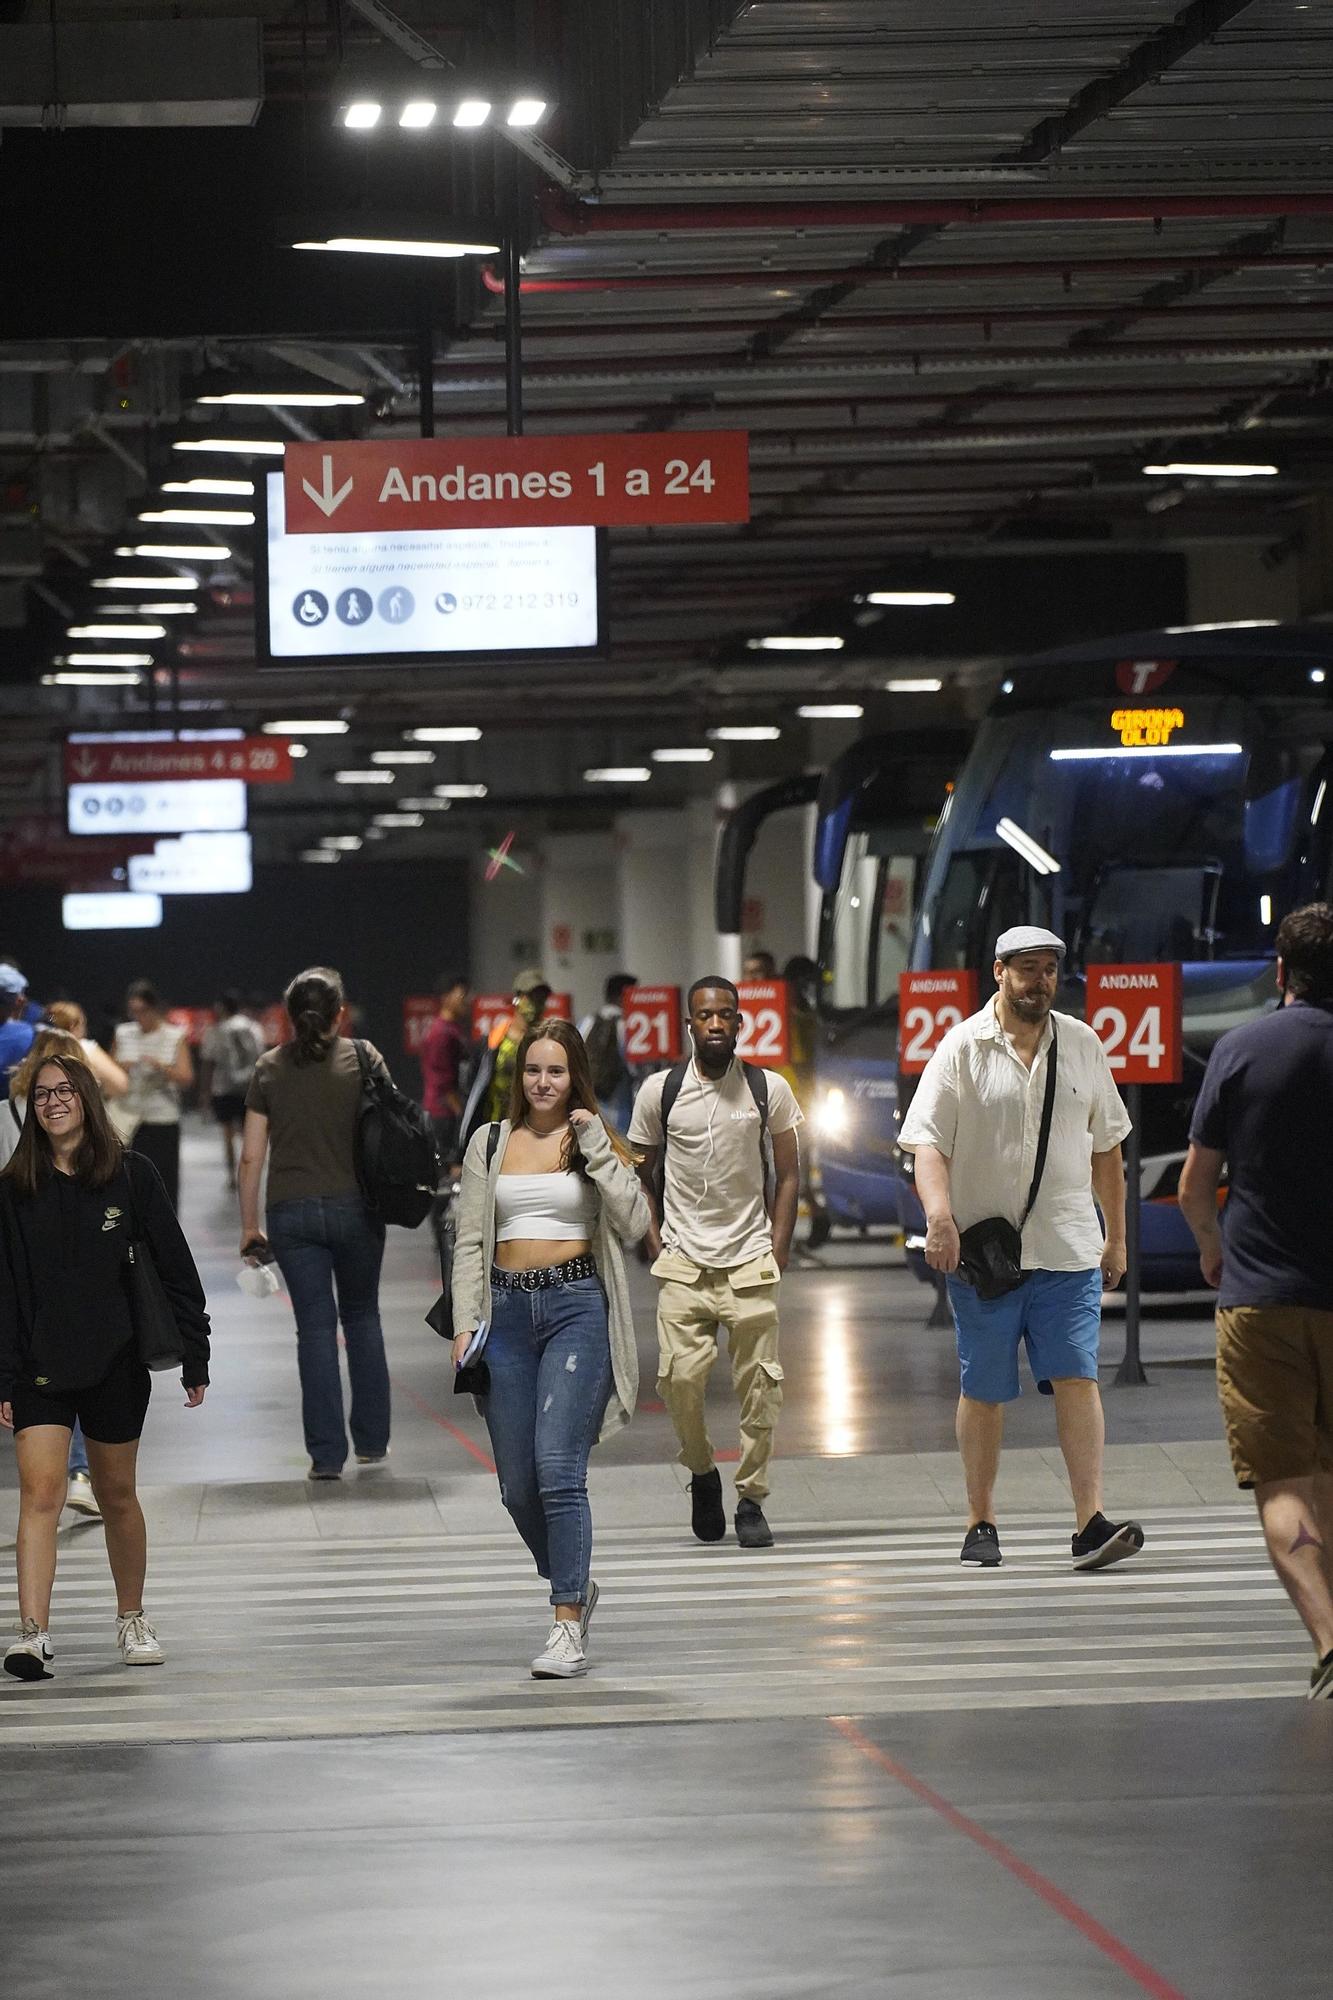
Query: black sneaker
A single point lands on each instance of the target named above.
(752, 1530)
(1321, 1680)
(708, 1517)
(981, 1545)
(1104, 1542)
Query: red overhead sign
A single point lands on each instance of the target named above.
(929, 1004)
(1135, 1009)
(420, 1011)
(765, 1036)
(260, 760)
(489, 1009)
(612, 479)
(652, 1024)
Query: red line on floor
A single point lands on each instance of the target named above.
(1087, 1926)
(461, 1437)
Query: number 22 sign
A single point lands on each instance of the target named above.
(765, 1037)
(1135, 1010)
(929, 1004)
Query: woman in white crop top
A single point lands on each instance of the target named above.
(546, 1203)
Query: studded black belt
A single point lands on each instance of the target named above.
(569, 1273)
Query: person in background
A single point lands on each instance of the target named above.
(720, 1247)
(492, 1085)
(62, 1038)
(71, 1202)
(230, 1049)
(443, 1054)
(759, 964)
(155, 1055)
(16, 1031)
(801, 977)
(543, 1213)
(301, 1112)
(604, 1037)
(1265, 1114)
(31, 1011)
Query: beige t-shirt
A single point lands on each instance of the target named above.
(311, 1110)
(714, 1207)
(152, 1099)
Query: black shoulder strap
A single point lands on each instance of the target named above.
(758, 1081)
(1044, 1136)
(671, 1089)
(492, 1141)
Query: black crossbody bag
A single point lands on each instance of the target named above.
(156, 1333)
(991, 1252)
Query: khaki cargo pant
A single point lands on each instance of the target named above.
(692, 1304)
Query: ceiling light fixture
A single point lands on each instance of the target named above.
(1188, 469)
(319, 854)
(460, 791)
(363, 115)
(759, 732)
(425, 805)
(400, 819)
(242, 488)
(402, 756)
(1029, 849)
(324, 726)
(416, 116)
(87, 680)
(117, 632)
(1149, 751)
(297, 750)
(341, 843)
(398, 246)
(525, 112)
(471, 113)
(287, 399)
(201, 517)
(145, 583)
(920, 684)
(796, 642)
(106, 660)
(831, 711)
(686, 754)
(363, 777)
(208, 552)
(451, 734)
(911, 597)
(618, 774)
(241, 447)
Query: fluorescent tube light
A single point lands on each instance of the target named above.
(1147, 750)
(363, 777)
(363, 116)
(759, 732)
(200, 552)
(911, 597)
(287, 399)
(686, 754)
(472, 112)
(618, 774)
(924, 684)
(243, 488)
(242, 447)
(402, 756)
(319, 854)
(400, 819)
(201, 517)
(400, 246)
(1188, 469)
(150, 610)
(145, 583)
(425, 805)
(106, 660)
(1030, 850)
(1224, 625)
(449, 735)
(341, 843)
(115, 631)
(90, 680)
(525, 112)
(417, 115)
(796, 642)
(324, 726)
(831, 711)
(459, 791)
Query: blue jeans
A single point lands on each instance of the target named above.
(325, 1245)
(78, 1450)
(549, 1355)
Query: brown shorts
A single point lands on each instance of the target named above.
(1275, 1379)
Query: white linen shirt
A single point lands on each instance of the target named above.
(979, 1105)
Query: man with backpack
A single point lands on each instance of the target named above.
(722, 1168)
(604, 1037)
(231, 1048)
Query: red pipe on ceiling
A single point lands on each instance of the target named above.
(1067, 269)
(574, 218)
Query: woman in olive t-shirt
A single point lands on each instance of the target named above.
(301, 1111)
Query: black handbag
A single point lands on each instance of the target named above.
(156, 1333)
(991, 1251)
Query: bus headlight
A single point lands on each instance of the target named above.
(832, 1116)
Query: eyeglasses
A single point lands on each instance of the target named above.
(63, 1093)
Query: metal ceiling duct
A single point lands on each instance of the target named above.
(64, 74)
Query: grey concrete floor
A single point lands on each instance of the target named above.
(844, 1769)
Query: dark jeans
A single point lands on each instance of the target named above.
(549, 1355)
(162, 1145)
(327, 1244)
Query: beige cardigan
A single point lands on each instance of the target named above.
(624, 1218)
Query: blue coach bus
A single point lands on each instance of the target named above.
(1163, 796)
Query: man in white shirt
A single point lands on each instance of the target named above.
(974, 1127)
(720, 1248)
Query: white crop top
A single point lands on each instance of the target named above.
(545, 1208)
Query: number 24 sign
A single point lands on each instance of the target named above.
(929, 1004)
(1135, 1009)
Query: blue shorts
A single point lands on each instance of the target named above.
(1057, 1313)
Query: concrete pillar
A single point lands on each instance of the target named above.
(581, 939)
(665, 868)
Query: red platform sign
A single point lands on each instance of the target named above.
(1135, 1009)
(612, 479)
(929, 1004)
(765, 1036)
(489, 1009)
(196, 1022)
(652, 1024)
(419, 1010)
(260, 760)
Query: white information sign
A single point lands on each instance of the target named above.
(198, 864)
(172, 805)
(434, 590)
(112, 911)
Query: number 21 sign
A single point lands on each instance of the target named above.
(929, 1004)
(1135, 1009)
(652, 1024)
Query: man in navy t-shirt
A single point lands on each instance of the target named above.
(1265, 1112)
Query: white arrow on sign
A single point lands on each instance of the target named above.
(84, 763)
(325, 498)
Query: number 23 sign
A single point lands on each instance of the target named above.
(929, 1004)
(1135, 1009)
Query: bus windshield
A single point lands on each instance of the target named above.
(1133, 852)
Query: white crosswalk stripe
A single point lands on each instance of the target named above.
(371, 1637)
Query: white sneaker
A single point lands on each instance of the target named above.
(138, 1641)
(81, 1497)
(564, 1656)
(589, 1606)
(31, 1657)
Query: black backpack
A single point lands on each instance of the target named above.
(607, 1064)
(757, 1080)
(397, 1159)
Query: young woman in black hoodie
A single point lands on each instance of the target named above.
(71, 1201)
